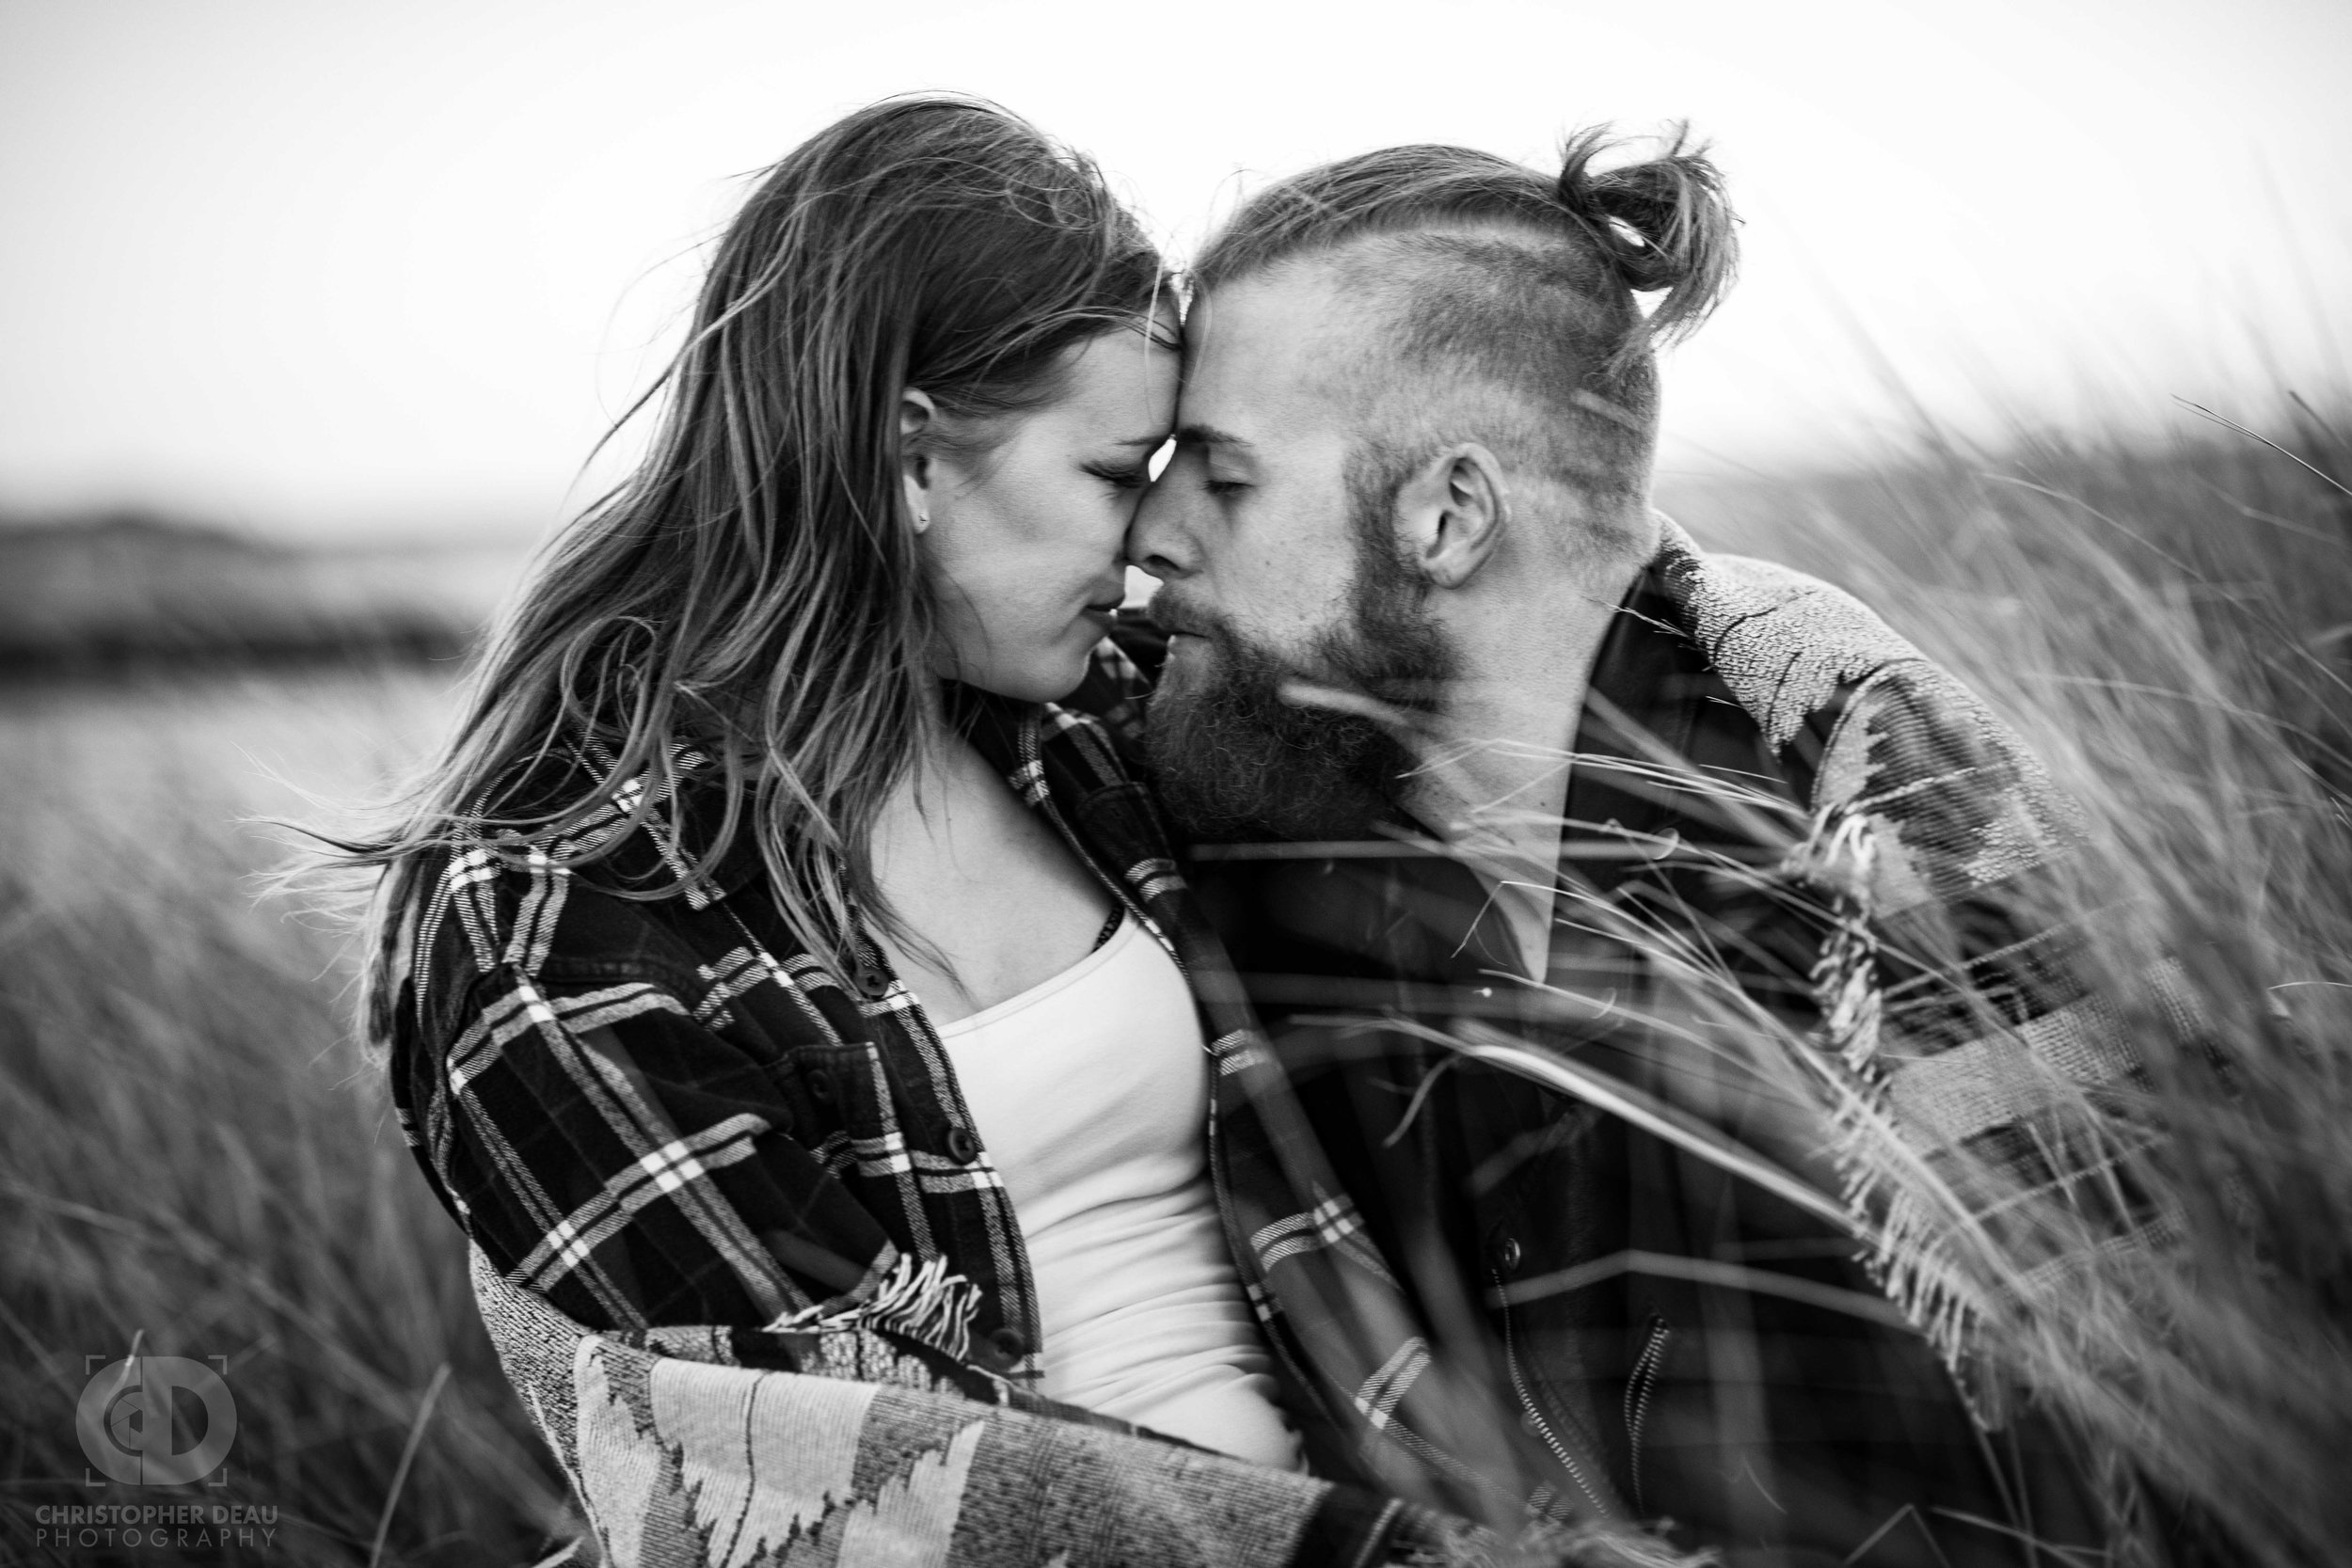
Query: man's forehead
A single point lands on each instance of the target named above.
(1264, 315)
(1278, 339)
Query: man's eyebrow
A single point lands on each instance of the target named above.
(1209, 435)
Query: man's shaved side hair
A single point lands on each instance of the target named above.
(1506, 295)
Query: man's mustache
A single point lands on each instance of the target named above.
(1400, 706)
(1178, 616)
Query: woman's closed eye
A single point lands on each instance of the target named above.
(1122, 476)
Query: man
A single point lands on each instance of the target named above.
(1492, 772)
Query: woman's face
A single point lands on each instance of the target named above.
(1022, 543)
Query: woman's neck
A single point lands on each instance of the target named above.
(992, 899)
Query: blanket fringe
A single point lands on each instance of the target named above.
(919, 1300)
(1908, 1257)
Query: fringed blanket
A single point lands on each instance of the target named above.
(682, 1457)
(1976, 1064)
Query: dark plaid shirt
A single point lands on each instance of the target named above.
(1641, 1306)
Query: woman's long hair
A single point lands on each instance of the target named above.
(747, 607)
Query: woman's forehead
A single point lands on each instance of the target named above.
(1126, 377)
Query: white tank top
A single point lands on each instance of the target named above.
(1090, 1094)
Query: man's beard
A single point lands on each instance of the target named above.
(1234, 759)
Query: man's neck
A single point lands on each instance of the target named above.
(1495, 769)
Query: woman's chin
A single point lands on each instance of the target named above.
(1045, 681)
(1041, 672)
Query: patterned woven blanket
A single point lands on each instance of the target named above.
(683, 1458)
(1976, 1073)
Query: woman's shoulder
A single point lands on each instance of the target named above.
(612, 897)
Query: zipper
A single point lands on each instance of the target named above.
(1638, 1389)
(1543, 1428)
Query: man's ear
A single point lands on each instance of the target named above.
(1452, 512)
(918, 471)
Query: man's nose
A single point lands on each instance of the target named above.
(1157, 540)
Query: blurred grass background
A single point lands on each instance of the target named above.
(2169, 625)
(197, 1153)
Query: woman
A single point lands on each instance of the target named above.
(772, 978)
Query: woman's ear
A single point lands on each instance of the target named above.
(918, 417)
(1451, 513)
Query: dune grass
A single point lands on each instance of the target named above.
(196, 1160)
(196, 1156)
(2170, 630)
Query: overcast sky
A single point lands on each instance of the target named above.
(361, 266)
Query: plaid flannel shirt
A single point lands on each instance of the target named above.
(710, 1191)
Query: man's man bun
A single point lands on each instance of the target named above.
(1662, 223)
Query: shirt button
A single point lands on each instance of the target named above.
(819, 1085)
(1011, 1343)
(1508, 1254)
(872, 983)
(961, 1146)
